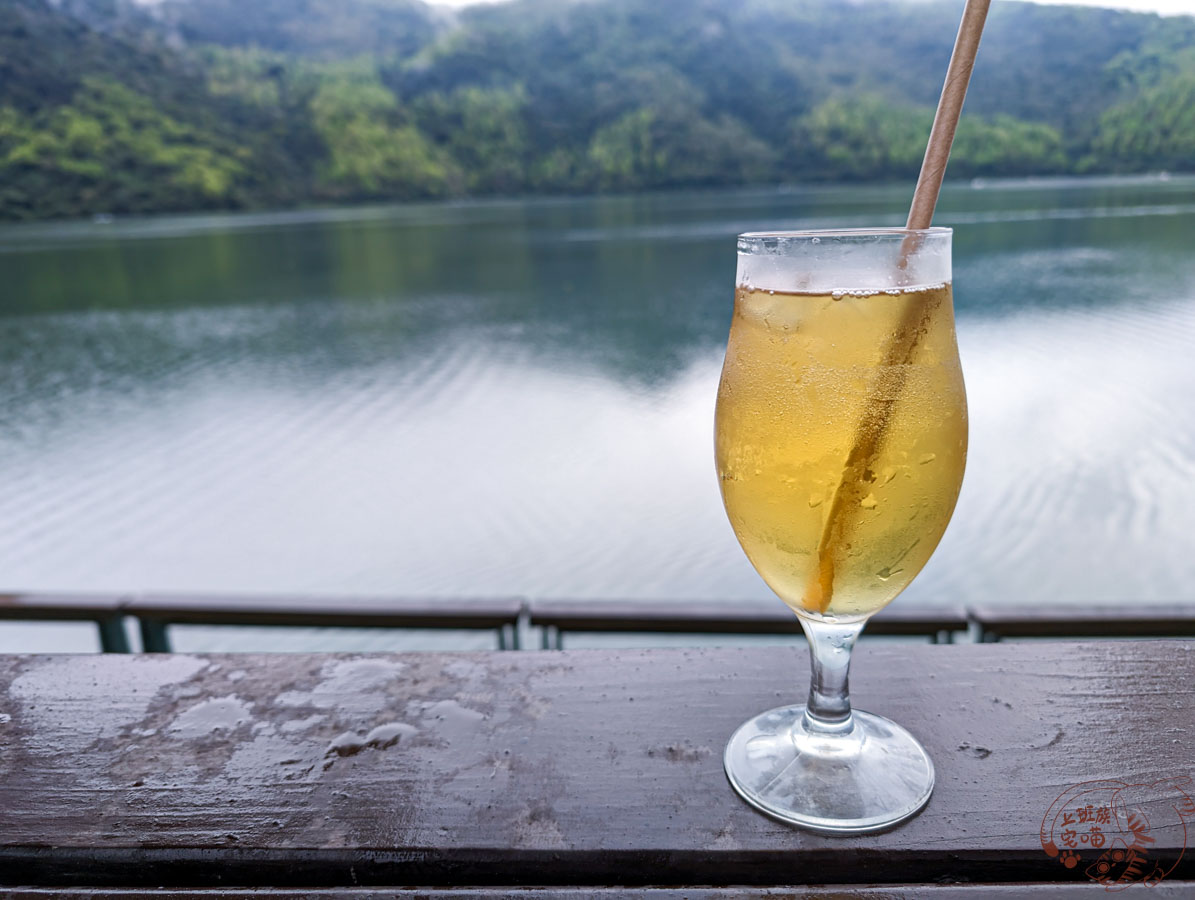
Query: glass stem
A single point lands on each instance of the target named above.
(830, 645)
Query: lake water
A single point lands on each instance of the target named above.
(516, 397)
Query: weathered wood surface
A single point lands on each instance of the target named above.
(566, 768)
(1098, 621)
(725, 618)
(1166, 890)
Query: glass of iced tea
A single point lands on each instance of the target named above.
(841, 437)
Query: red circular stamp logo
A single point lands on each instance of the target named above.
(1112, 829)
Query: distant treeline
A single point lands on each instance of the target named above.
(107, 106)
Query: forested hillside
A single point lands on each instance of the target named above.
(107, 106)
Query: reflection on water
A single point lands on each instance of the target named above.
(516, 397)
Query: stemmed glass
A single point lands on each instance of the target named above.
(841, 437)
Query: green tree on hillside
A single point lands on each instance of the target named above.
(484, 130)
(372, 151)
(1154, 123)
(105, 151)
(651, 147)
(1003, 145)
(859, 138)
(1156, 128)
(869, 137)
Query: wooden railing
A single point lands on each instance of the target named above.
(559, 617)
(511, 618)
(580, 775)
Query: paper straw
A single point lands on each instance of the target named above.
(950, 105)
(902, 343)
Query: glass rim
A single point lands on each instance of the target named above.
(894, 231)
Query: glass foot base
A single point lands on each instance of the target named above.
(866, 779)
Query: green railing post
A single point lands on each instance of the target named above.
(154, 638)
(113, 638)
(508, 637)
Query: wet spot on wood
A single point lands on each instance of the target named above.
(448, 718)
(537, 827)
(350, 744)
(680, 752)
(296, 725)
(1050, 743)
(220, 714)
(977, 752)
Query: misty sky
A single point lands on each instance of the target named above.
(1167, 7)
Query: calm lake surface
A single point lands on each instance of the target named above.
(516, 397)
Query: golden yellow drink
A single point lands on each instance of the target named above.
(841, 436)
